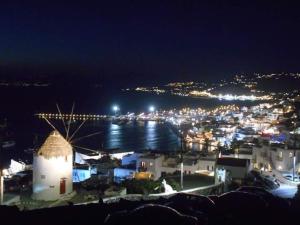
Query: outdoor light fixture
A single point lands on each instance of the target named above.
(151, 108)
(115, 108)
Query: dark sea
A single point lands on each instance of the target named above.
(20, 104)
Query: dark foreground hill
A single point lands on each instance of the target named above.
(237, 207)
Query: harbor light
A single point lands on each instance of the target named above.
(115, 108)
(151, 108)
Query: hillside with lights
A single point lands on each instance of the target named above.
(240, 87)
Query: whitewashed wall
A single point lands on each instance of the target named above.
(47, 174)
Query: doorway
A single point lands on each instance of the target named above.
(62, 189)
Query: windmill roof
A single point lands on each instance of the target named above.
(55, 146)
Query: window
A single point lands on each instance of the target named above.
(43, 177)
(143, 164)
(291, 155)
(151, 164)
(280, 154)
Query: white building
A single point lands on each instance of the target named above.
(151, 163)
(81, 174)
(130, 159)
(82, 158)
(52, 169)
(157, 165)
(190, 166)
(275, 156)
(127, 168)
(124, 172)
(237, 169)
(15, 167)
(207, 163)
(245, 151)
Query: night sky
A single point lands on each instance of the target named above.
(148, 41)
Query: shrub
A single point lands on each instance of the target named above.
(141, 186)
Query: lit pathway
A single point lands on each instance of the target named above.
(285, 191)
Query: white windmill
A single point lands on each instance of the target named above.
(53, 163)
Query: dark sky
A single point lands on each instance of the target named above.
(149, 41)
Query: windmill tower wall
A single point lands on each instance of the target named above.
(52, 169)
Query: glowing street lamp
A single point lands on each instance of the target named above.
(151, 108)
(115, 108)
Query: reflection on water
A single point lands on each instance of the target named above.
(133, 136)
(151, 135)
(114, 134)
(140, 135)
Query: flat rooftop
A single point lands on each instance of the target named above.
(232, 162)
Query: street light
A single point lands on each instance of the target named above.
(115, 108)
(181, 159)
(151, 108)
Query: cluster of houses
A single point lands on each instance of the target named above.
(149, 165)
(262, 138)
(264, 143)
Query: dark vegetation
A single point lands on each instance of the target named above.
(247, 205)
